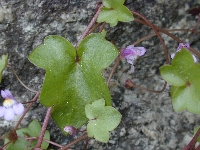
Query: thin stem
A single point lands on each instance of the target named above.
(160, 29)
(198, 21)
(193, 141)
(171, 35)
(27, 109)
(74, 142)
(143, 88)
(44, 126)
(177, 39)
(94, 28)
(92, 22)
(21, 81)
(102, 27)
(6, 145)
(86, 144)
(155, 30)
(50, 142)
(198, 147)
(144, 38)
(53, 143)
(172, 30)
(184, 30)
(113, 70)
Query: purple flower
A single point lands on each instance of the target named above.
(10, 106)
(131, 53)
(70, 129)
(181, 46)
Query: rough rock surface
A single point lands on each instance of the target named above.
(149, 122)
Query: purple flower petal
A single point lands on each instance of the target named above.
(6, 94)
(127, 53)
(130, 47)
(172, 55)
(131, 53)
(132, 68)
(131, 59)
(139, 51)
(18, 108)
(2, 111)
(9, 114)
(3, 94)
(195, 59)
(183, 45)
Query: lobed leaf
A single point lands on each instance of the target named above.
(33, 130)
(183, 74)
(71, 80)
(102, 119)
(114, 11)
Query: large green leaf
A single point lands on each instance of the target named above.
(3, 64)
(33, 130)
(184, 75)
(114, 11)
(73, 81)
(102, 119)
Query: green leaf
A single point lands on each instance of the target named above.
(195, 131)
(183, 74)
(73, 81)
(3, 64)
(102, 119)
(33, 130)
(103, 32)
(114, 11)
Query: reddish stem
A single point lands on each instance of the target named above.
(130, 84)
(171, 35)
(86, 144)
(102, 27)
(92, 22)
(191, 145)
(33, 138)
(27, 109)
(94, 28)
(158, 34)
(74, 142)
(113, 70)
(44, 126)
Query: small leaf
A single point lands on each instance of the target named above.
(33, 130)
(102, 119)
(183, 74)
(3, 64)
(71, 80)
(114, 11)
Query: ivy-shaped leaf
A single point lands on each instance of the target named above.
(3, 64)
(71, 80)
(114, 11)
(184, 75)
(102, 119)
(33, 130)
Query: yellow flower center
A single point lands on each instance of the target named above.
(8, 103)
